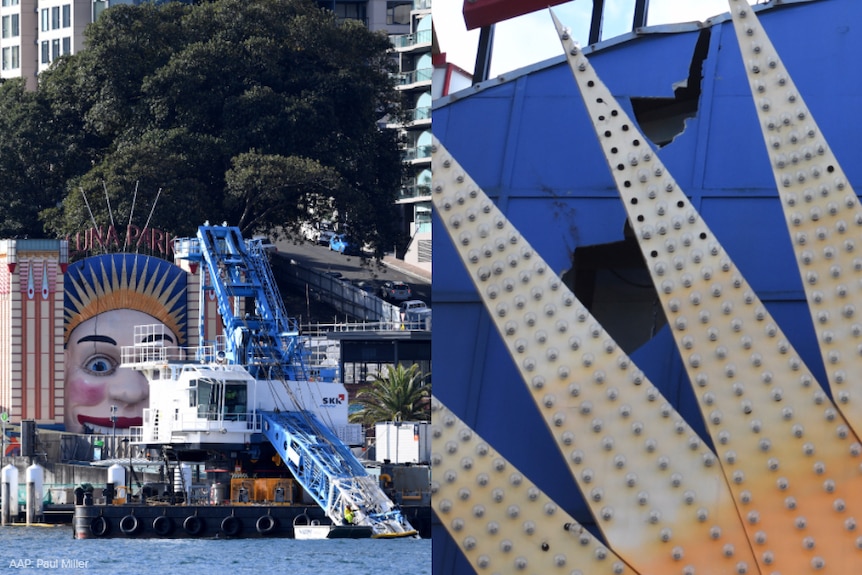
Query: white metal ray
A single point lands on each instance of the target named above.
(821, 209)
(655, 490)
(501, 521)
(777, 433)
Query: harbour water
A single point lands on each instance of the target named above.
(52, 550)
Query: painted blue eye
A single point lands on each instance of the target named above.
(100, 365)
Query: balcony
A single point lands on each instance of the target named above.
(419, 114)
(415, 77)
(414, 192)
(407, 41)
(416, 118)
(419, 153)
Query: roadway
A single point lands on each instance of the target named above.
(365, 272)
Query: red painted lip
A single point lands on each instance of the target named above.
(122, 422)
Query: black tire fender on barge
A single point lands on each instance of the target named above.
(163, 525)
(193, 525)
(129, 524)
(265, 524)
(100, 526)
(230, 525)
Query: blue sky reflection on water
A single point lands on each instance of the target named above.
(51, 550)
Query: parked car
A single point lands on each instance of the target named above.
(417, 319)
(343, 244)
(412, 305)
(395, 291)
(415, 315)
(324, 237)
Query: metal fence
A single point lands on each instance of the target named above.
(341, 295)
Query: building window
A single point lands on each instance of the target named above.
(350, 11)
(7, 58)
(55, 18)
(55, 49)
(99, 6)
(67, 15)
(46, 55)
(11, 28)
(398, 12)
(16, 57)
(67, 45)
(10, 2)
(45, 20)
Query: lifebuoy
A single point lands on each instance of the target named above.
(99, 526)
(230, 525)
(163, 525)
(193, 525)
(265, 524)
(129, 525)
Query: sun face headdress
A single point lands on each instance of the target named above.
(125, 281)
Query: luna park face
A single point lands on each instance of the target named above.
(94, 379)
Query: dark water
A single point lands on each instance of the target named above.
(52, 551)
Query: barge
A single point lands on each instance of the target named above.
(246, 441)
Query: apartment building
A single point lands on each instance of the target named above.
(35, 33)
(416, 70)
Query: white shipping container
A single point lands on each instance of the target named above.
(404, 442)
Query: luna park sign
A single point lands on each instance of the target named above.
(113, 239)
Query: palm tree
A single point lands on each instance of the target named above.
(399, 395)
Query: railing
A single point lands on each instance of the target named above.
(419, 114)
(414, 76)
(362, 326)
(417, 153)
(212, 420)
(408, 40)
(417, 191)
(342, 296)
(137, 354)
(204, 421)
(185, 247)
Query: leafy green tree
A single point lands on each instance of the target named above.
(33, 160)
(160, 173)
(245, 112)
(275, 188)
(401, 394)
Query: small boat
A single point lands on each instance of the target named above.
(305, 529)
(312, 529)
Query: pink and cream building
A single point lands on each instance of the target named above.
(32, 355)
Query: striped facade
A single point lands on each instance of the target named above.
(31, 329)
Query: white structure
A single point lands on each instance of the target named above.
(35, 489)
(8, 494)
(403, 442)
